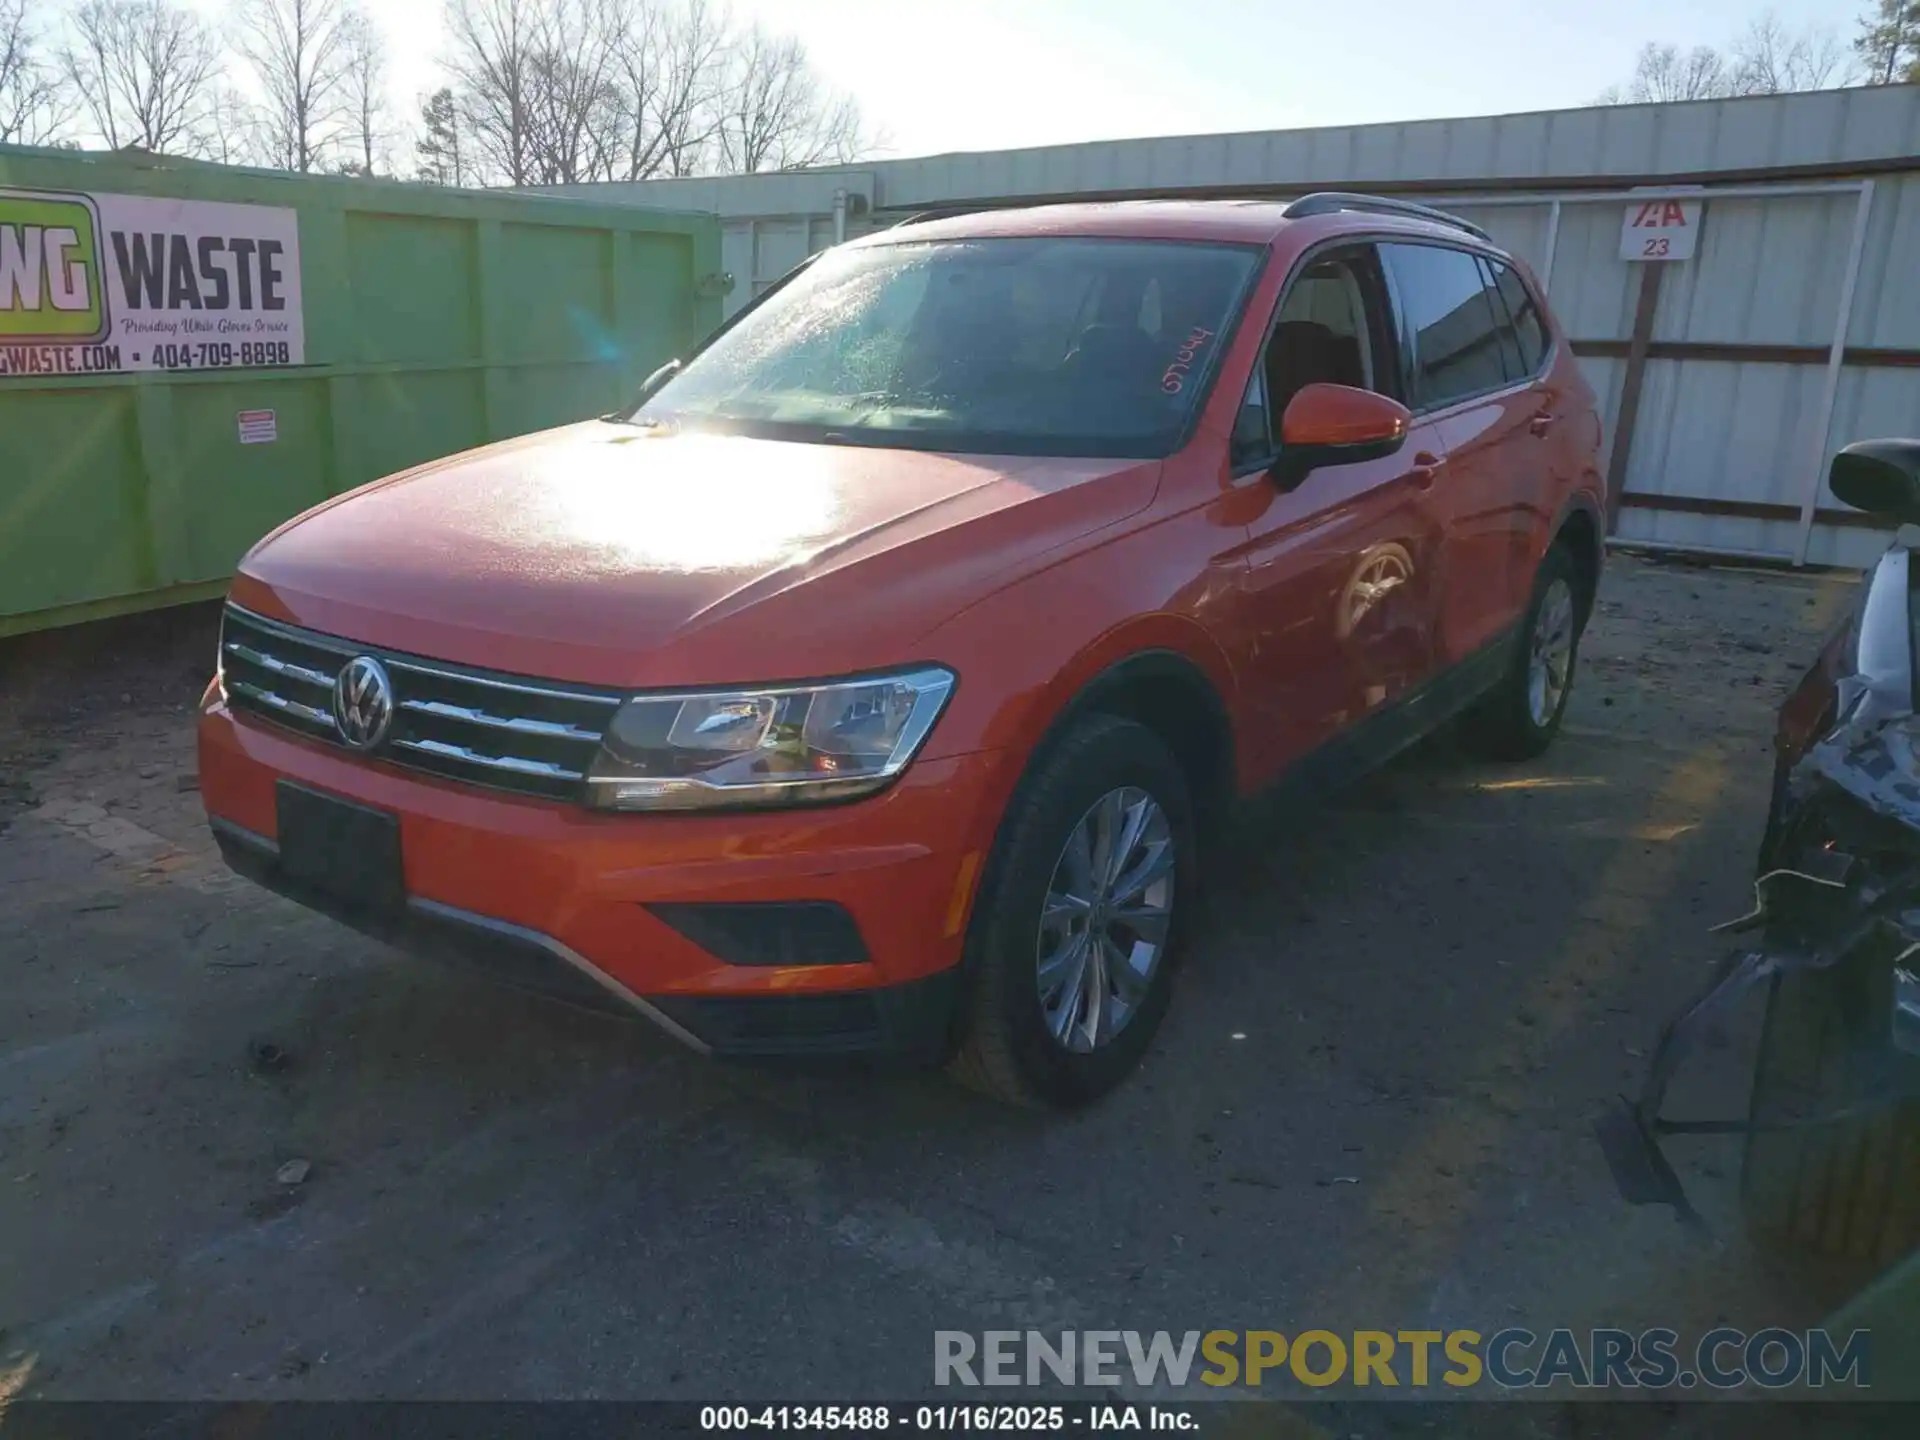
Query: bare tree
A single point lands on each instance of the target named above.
(1666, 72)
(492, 63)
(437, 153)
(298, 51)
(229, 132)
(1770, 59)
(671, 67)
(33, 109)
(364, 93)
(145, 72)
(562, 91)
(573, 98)
(776, 114)
(1888, 44)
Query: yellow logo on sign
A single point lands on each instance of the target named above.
(50, 286)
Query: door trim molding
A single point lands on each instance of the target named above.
(1387, 731)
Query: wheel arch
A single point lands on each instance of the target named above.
(1173, 697)
(1582, 528)
(1158, 686)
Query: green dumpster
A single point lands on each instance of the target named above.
(190, 353)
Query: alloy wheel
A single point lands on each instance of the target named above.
(1106, 918)
(1550, 657)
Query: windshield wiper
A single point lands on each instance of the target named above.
(641, 422)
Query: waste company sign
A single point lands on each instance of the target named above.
(96, 284)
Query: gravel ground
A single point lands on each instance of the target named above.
(1369, 1107)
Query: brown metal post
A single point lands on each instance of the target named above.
(1629, 411)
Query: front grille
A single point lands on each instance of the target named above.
(523, 735)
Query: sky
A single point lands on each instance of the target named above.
(998, 74)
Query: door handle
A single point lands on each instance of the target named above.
(1542, 422)
(1426, 466)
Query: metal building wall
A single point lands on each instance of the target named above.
(1702, 140)
(1671, 142)
(1731, 411)
(1728, 444)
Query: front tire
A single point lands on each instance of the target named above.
(1080, 919)
(1519, 717)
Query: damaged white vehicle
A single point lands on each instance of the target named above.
(1832, 1135)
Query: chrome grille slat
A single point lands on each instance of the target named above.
(493, 762)
(312, 639)
(279, 666)
(520, 724)
(612, 702)
(507, 732)
(280, 702)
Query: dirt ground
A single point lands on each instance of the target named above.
(1369, 1108)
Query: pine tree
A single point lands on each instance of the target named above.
(438, 148)
(1889, 42)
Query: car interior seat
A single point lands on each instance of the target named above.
(1117, 354)
(1305, 352)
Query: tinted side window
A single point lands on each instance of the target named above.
(1528, 328)
(1451, 318)
(1516, 368)
(1333, 327)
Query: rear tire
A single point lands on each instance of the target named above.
(1019, 1042)
(1849, 1189)
(1518, 718)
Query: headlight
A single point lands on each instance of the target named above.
(781, 745)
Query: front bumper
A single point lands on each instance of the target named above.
(569, 903)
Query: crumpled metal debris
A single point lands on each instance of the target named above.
(1878, 765)
(1809, 918)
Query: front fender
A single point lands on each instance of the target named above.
(1863, 673)
(1033, 686)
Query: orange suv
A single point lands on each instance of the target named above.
(871, 685)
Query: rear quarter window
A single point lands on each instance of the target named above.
(1529, 327)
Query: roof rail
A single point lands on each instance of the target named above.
(1327, 202)
(946, 212)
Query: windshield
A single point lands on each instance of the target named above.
(1026, 346)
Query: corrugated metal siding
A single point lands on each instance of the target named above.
(1519, 229)
(758, 252)
(1768, 271)
(1874, 125)
(1703, 137)
(1886, 311)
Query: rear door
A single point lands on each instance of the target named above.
(1543, 421)
(1460, 386)
(1339, 565)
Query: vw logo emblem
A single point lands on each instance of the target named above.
(363, 702)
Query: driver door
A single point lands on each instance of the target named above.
(1340, 566)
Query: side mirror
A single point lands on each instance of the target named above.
(1337, 425)
(1881, 477)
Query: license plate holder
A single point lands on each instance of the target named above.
(346, 852)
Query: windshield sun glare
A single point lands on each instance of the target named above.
(1019, 346)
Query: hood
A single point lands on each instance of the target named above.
(612, 555)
